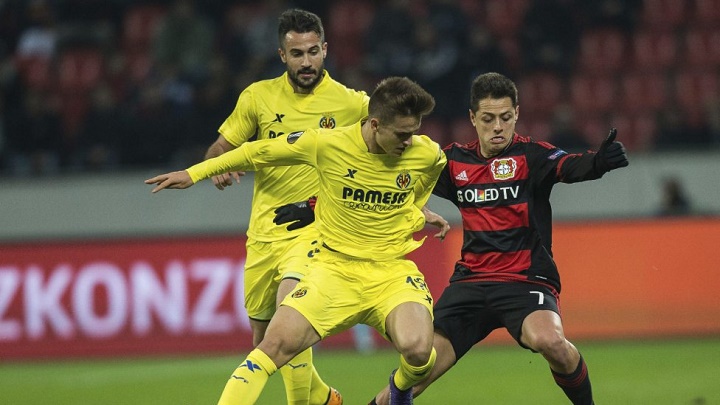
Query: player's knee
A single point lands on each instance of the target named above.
(549, 344)
(280, 349)
(416, 350)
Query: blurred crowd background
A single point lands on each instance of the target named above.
(93, 85)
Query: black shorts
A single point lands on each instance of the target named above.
(467, 312)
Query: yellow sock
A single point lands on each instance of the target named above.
(297, 376)
(248, 380)
(319, 391)
(408, 375)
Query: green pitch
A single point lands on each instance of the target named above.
(677, 372)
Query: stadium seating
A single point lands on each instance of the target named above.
(138, 66)
(640, 90)
(593, 93)
(80, 70)
(540, 92)
(654, 50)
(497, 16)
(618, 76)
(462, 131)
(637, 129)
(537, 127)
(594, 127)
(139, 25)
(702, 47)
(664, 15)
(602, 50)
(36, 72)
(347, 22)
(693, 88)
(706, 13)
(436, 129)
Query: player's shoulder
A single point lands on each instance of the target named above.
(425, 141)
(531, 143)
(265, 86)
(423, 144)
(335, 134)
(459, 151)
(534, 148)
(338, 87)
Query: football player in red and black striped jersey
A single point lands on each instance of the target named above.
(506, 277)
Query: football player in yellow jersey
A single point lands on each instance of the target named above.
(375, 178)
(303, 97)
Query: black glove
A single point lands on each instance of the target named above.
(611, 154)
(301, 214)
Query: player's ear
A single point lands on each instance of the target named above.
(472, 116)
(282, 55)
(517, 112)
(374, 124)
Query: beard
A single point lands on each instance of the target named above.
(306, 84)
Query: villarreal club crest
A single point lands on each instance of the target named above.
(403, 180)
(327, 121)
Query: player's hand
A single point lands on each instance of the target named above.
(611, 154)
(299, 214)
(435, 219)
(177, 180)
(226, 179)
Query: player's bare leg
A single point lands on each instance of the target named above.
(409, 326)
(288, 334)
(542, 331)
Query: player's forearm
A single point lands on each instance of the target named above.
(214, 150)
(234, 160)
(577, 168)
(218, 148)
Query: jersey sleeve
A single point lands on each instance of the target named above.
(364, 105)
(578, 167)
(426, 183)
(556, 165)
(241, 124)
(445, 188)
(292, 149)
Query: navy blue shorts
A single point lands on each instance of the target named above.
(467, 312)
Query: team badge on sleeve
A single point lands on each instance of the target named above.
(503, 169)
(294, 136)
(557, 154)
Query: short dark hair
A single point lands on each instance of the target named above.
(300, 21)
(492, 85)
(399, 96)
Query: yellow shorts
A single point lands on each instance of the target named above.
(268, 263)
(341, 291)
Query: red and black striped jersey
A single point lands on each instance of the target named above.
(505, 206)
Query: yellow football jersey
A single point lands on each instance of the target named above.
(368, 204)
(270, 108)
